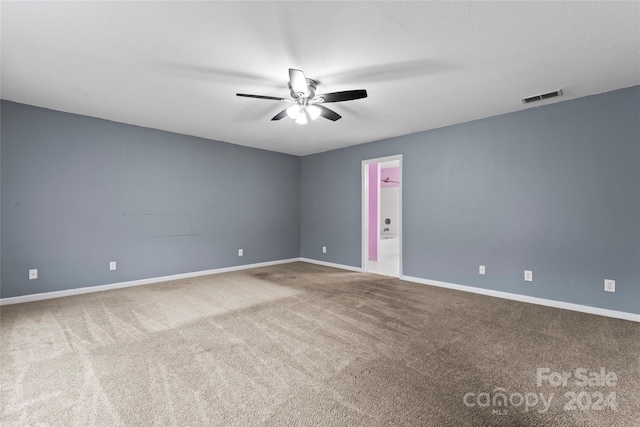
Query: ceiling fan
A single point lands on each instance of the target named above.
(306, 102)
(387, 180)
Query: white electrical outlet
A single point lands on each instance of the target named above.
(240, 252)
(112, 265)
(609, 285)
(324, 249)
(528, 276)
(481, 269)
(33, 273)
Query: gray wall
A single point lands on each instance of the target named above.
(78, 192)
(553, 189)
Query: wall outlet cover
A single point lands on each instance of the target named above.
(481, 269)
(324, 249)
(240, 252)
(33, 273)
(609, 285)
(528, 276)
(112, 265)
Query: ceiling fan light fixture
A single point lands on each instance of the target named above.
(303, 94)
(302, 117)
(293, 111)
(314, 111)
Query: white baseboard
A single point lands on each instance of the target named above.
(331, 264)
(499, 294)
(99, 288)
(524, 298)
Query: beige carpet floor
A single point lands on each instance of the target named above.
(301, 344)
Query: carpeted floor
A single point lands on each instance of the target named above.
(301, 344)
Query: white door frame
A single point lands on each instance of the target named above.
(365, 209)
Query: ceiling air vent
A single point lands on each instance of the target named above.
(541, 97)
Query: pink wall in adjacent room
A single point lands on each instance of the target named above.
(374, 223)
(393, 174)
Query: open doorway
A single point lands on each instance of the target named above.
(382, 216)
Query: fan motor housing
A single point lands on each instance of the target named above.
(311, 90)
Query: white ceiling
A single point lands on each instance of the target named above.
(177, 66)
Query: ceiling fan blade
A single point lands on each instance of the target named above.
(298, 81)
(327, 113)
(274, 98)
(280, 115)
(346, 95)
